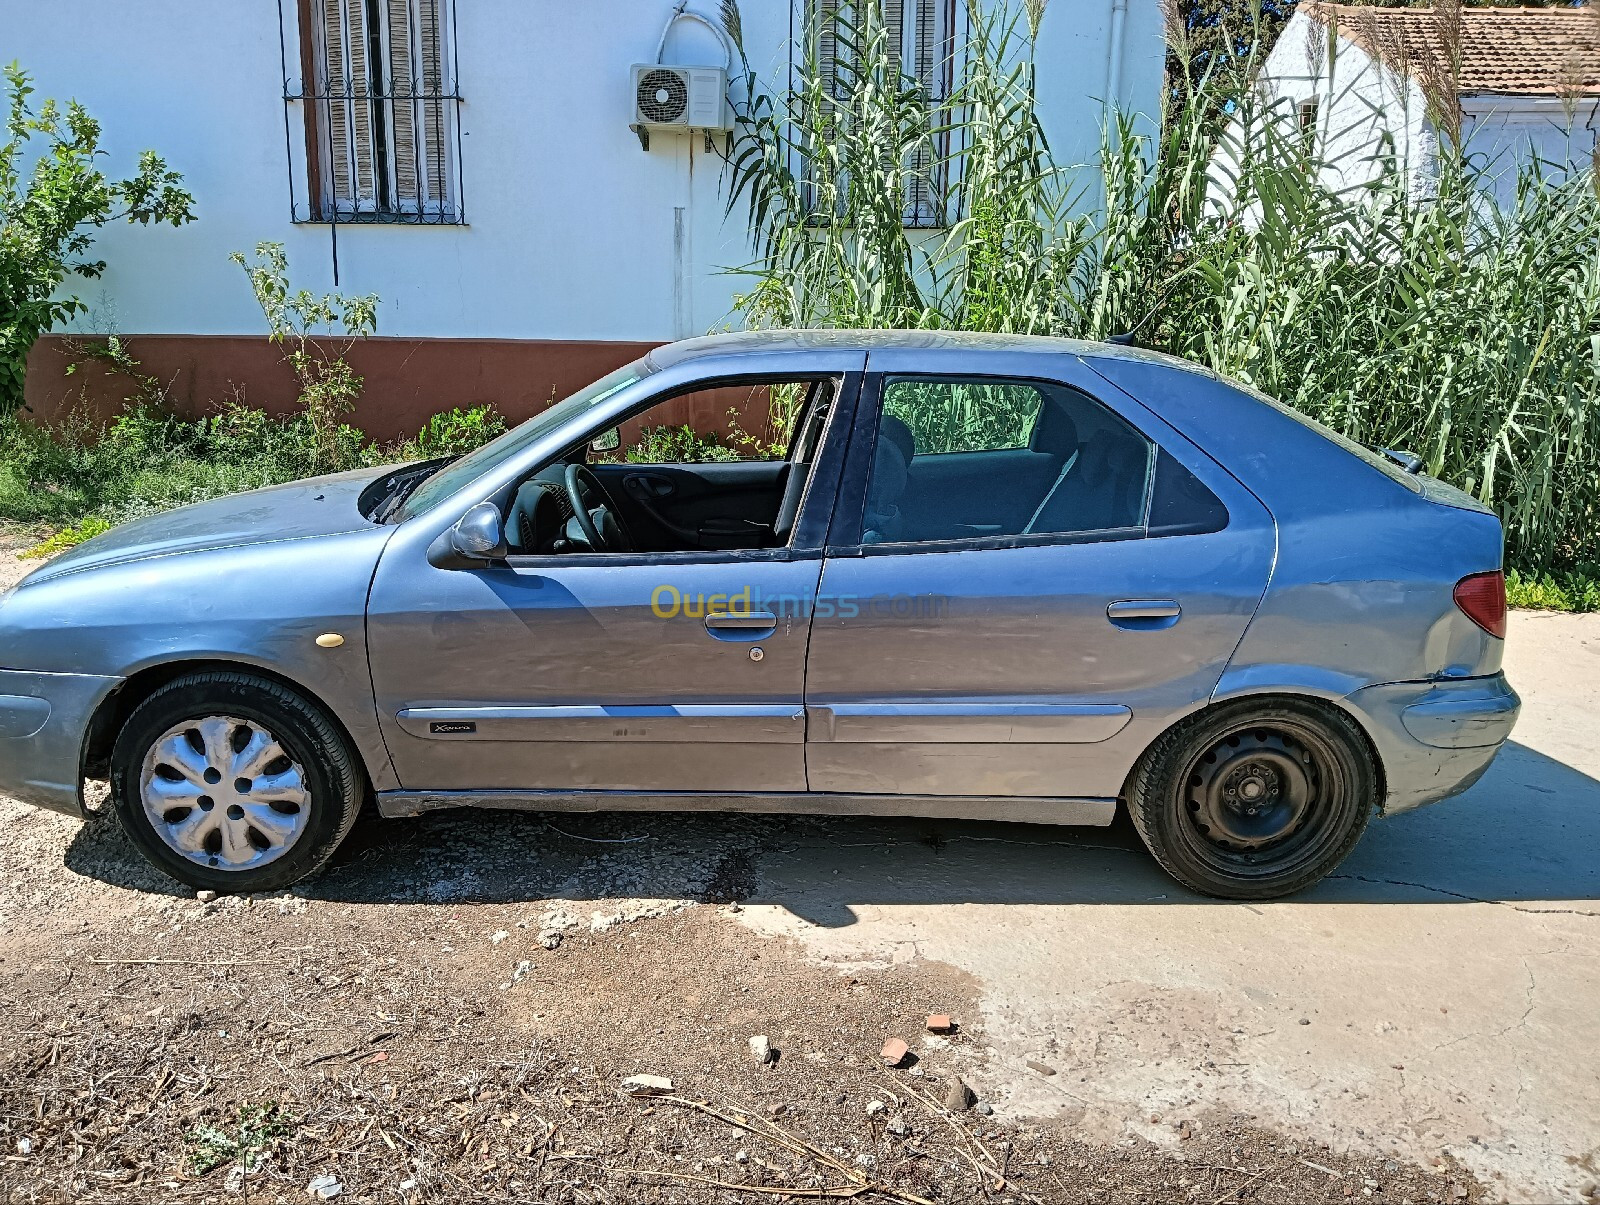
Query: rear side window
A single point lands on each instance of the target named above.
(946, 416)
(979, 458)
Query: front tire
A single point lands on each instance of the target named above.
(1253, 800)
(234, 783)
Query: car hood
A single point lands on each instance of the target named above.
(317, 506)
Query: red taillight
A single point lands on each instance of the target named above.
(1482, 599)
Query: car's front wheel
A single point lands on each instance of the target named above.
(232, 782)
(1254, 800)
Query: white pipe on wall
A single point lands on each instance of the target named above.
(1119, 20)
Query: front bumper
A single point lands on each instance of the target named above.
(43, 719)
(1436, 738)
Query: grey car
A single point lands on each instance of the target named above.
(1011, 578)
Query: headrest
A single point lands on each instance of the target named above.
(888, 467)
(1054, 432)
(1110, 452)
(896, 432)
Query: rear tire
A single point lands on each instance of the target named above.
(234, 783)
(1254, 799)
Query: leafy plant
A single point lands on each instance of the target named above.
(48, 219)
(676, 445)
(1575, 591)
(317, 333)
(253, 1129)
(453, 433)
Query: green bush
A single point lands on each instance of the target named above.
(1575, 591)
(453, 433)
(677, 445)
(85, 478)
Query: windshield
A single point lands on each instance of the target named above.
(475, 464)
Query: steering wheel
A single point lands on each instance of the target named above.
(602, 530)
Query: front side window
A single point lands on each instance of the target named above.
(382, 125)
(970, 459)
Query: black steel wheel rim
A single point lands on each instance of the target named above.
(1263, 799)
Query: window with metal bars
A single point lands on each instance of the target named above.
(381, 106)
(924, 33)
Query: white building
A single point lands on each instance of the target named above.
(469, 161)
(1369, 82)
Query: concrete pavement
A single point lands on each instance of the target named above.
(1440, 993)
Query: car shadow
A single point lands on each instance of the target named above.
(1525, 832)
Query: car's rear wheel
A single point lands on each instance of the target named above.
(232, 782)
(1254, 800)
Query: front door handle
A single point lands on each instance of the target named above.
(741, 625)
(1144, 612)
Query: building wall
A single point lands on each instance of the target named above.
(1364, 111)
(571, 224)
(1360, 102)
(1502, 133)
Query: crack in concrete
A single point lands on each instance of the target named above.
(1471, 899)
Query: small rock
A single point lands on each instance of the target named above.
(523, 969)
(646, 1085)
(741, 1156)
(550, 939)
(777, 1109)
(407, 1185)
(940, 1023)
(874, 1107)
(958, 1097)
(898, 1127)
(205, 897)
(894, 1052)
(985, 1108)
(761, 1052)
(1184, 1131)
(734, 906)
(324, 1187)
(24, 1146)
(1305, 1020)
(498, 936)
(1041, 1068)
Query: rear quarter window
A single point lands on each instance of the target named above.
(1181, 504)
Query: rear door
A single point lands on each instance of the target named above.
(1022, 603)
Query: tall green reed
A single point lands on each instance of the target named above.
(1436, 319)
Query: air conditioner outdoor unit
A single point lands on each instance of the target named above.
(679, 99)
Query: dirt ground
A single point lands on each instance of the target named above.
(450, 1012)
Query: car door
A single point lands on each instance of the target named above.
(636, 672)
(1045, 583)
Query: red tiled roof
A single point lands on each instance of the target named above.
(1536, 51)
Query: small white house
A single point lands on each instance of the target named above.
(475, 163)
(1369, 82)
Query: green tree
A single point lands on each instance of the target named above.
(48, 218)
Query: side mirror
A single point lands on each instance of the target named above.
(478, 536)
(607, 441)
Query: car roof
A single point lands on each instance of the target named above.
(771, 341)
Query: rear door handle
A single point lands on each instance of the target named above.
(1142, 609)
(741, 625)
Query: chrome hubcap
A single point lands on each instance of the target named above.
(224, 794)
